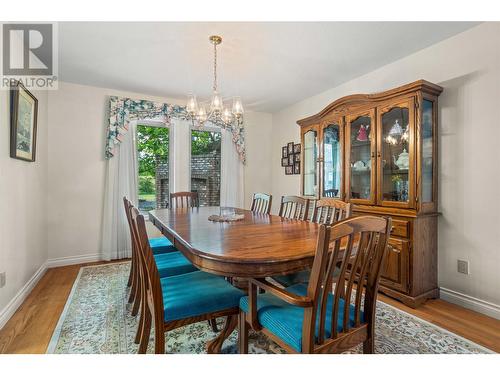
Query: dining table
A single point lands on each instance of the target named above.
(257, 246)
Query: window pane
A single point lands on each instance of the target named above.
(205, 166)
(152, 147)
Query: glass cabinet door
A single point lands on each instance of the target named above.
(332, 161)
(310, 156)
(396, 155)
(427, 151)
(361, 153)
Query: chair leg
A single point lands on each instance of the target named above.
(369, 346)
(242, 333)
(213, 324)
(369, 343)
(135, 281)
(137, 298)
(140, 326)
(159, 339)
(132, 265)
(146, 331)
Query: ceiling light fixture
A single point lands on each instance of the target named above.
(217, 112)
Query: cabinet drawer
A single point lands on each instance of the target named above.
(396, 265)
(400, 228)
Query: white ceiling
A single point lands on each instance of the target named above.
(270, 65)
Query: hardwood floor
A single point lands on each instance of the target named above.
(30, 329)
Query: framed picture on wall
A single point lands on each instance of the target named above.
(290, 159)
(284, 162)
(296, 168)
(296, 157)
(289, 170)
(23, 121)
(290, 148)
(284, 152)
(296, 148)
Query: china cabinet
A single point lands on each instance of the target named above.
(378, 151)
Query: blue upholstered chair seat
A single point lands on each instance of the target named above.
(197, 293)
(161, 245)
(285, 320)
(172, 264)
(301, 277)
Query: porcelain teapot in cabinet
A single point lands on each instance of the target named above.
(403, 161)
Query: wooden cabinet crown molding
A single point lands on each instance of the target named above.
(346, 103)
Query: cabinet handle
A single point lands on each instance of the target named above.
(373, 154)
(379, 154)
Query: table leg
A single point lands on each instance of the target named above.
(214, 346)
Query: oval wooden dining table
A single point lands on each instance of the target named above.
(257, 246)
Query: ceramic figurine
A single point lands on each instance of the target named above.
(359, 166)
(403, 161)
(363, 133)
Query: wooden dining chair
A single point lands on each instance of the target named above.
(330, 211)
(261, 203)
(184, 199)
(293, 207)
(159, 245)
(168, 263)
(328, 315)
(325, 211)
(331, 193)
(176, 301)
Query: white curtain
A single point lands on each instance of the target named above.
(121, 180)
(232, 189)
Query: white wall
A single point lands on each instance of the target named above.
(23, 208)
(78, 117)
(468, 67)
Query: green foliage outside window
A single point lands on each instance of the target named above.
(151, 142)
(204, 142)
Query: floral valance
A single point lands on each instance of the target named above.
(124, 110)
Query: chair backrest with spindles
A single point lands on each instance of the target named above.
(331, 193)
(128, 206)
(149, 274)
(293, 207)
(329, 211)
(261, 203)
(184, 199)
(358, 244)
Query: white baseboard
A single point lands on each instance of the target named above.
(19, 298)
(472, 303)
(68, 261)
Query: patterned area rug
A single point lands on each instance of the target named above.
(97, 319)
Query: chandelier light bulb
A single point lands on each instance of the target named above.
(202, 114)
(192, 105)
(237, 107)
(226, 115)
(405, 135)
(216, 105)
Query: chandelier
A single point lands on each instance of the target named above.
(217, 113)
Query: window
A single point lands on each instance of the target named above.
(205, 166)
(153, 184)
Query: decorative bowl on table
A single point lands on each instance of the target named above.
(226, 214)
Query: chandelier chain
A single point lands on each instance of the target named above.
(215, 67)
